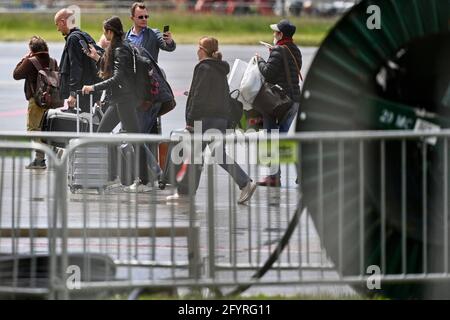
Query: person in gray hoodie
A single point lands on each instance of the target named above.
(208, 103)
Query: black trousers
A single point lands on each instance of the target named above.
(124, 112)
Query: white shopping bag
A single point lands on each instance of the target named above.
(251, 84)
(236, 74)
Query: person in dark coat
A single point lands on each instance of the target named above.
(117, 72)
(25, 69)
(274, 72)
(75, 67)
(208, 105)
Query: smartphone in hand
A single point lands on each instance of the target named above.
(166, 29)
(85, 46)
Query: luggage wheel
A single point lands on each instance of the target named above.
(73, 189)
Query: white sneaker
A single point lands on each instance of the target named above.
(177, 197)
(247, 192)
(137, 186)
(114, 184)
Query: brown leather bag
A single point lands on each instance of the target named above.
(46, 94)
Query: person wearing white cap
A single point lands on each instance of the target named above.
(274, 72)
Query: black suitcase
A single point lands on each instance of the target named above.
(56, 120)
(127, 167)
(126, 164)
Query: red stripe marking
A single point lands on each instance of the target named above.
(21, 112)
(13, 113)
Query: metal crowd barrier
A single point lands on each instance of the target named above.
(370, 211)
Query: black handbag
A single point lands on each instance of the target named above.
(272, 100)
(236, 110)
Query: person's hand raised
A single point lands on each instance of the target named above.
(167, 36)
(92, 53)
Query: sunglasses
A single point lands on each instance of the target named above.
(143, 17)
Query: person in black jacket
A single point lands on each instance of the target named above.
(208, 104)
(274, 72)
(75, 67)
(117, 72)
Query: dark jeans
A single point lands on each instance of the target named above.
(147, 119)
(283, 126)
(120, 112)
(228, 164)
(147, 123)
(124, 112)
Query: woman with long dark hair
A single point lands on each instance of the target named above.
(117, 72)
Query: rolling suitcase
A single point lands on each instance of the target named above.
(126, 164)
(88, 165)
(56, 120)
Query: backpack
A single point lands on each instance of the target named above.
(92, 77)
(146, 85)
(46, 94)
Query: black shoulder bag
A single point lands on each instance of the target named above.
(272, 99)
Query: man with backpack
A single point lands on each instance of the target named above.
(28, 68)
(76, 68)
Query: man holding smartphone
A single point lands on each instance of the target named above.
(150, 39)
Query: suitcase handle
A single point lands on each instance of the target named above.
(91, 111)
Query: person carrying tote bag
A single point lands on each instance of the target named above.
(282, 70)
(272, 100)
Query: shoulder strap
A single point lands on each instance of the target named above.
(295, 61)
(79, 34)
(52, 64)
(286, 69)
(36, 63)
(76, 34)
(38, 67)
